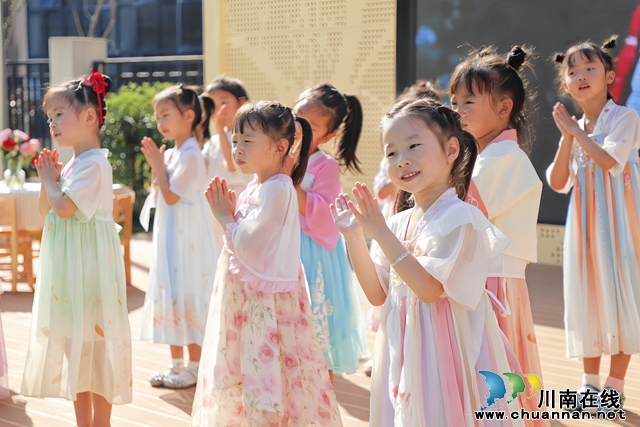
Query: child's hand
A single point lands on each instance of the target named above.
(222, 201)
(566, 123)
(222, 118)
(342, 216)
(47, 166)
(153, 154)
(367, 212)
(56, 157)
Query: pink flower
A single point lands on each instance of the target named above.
(239, 317)
(265, 353)
(231, 335)
(325, 398)
(296, 384)
(302, 323)
(289, 361)
(5, 134)
(21, 136)
(270, 385)
(30, 147)
(274, 337)
(323, 413)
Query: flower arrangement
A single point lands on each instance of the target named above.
(18, 151)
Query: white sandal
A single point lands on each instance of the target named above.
(157, 379)
(185, 379)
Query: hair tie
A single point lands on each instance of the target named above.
(96, 81)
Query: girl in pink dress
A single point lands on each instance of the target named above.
(488, 92)
(437, 328)
(262, 364)
(335, 297)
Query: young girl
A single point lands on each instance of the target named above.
(262, 363)
(335, 298)
(385, 191)
(80, 342)
(598, 157)
(228, 94)
(182, 270)
(429, 271)
(488, 92)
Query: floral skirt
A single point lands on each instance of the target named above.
(261, 361)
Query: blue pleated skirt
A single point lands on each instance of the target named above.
(337, 305)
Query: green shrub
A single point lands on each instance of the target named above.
(129, 119)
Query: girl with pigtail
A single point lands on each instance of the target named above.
(335, 299)
(490, 94)
(262, 363)
(429, 270)
(181, 272)
(598, 157)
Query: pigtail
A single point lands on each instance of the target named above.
(558, 58)
(463, 170)
(610, 43)
(300, 167)
(516, 58)
(207, 106)
(348, 142)
(403, 200)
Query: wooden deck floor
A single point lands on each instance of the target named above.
(161, 407)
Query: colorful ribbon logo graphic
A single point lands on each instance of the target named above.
(497, 386)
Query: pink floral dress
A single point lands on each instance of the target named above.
(261, 363)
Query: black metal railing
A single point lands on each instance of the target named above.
(26, 83)
(173, 69)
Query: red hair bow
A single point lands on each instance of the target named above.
(99, 86)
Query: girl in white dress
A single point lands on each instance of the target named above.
(80, 340)
(182, 264)
(598, 157)
(437, 328)
(228, 94)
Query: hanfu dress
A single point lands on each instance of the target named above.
(506, 188)
(80, 339)
(261, 363)
(335, 295)
(183, 255)
(601, 257)
(427, 356)
(4, 373)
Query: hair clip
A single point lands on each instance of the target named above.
(98, 84)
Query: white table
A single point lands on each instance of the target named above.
(27, 203)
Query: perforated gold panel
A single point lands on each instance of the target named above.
(550, 240)
(278, 48)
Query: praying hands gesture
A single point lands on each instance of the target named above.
(48, 166)
(566, 123)
(222, 201)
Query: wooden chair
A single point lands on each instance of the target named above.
(15, 242)
(123, 214)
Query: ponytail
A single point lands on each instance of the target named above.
(463, 166)
(345, 110)
(202, 129)
(300, 166)
(348, 142)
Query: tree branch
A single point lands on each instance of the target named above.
(112, 18)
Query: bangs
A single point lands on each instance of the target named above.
(251, 116)
(59, 93)
(474, 76)
(591, 52)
